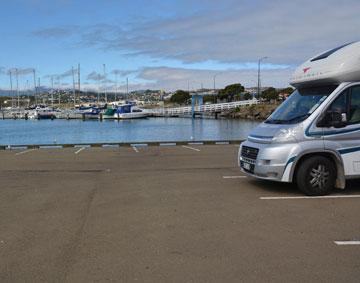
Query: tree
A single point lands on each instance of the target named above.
(230, 91)
(270, 94)
(247, 96)
(288, 90)
(180, 97)
(208, 98)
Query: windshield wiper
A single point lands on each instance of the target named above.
(274, 121)
(294, 119)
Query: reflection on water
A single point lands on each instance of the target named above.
(16, 132)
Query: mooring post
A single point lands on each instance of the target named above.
(200, 103)
(193, 101)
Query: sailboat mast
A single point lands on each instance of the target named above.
(52, 91)
(43, 100)
(78, 73)
(73, 75)
(127, 88)
(116, 85)
(105, 83)
(35, 89)
(58, 90)
(11, 89)
(28, 91)
(17, 88)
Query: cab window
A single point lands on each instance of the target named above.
(340, 103)
(348, 104)
(354, 113)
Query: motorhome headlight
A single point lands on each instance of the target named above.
(287, 135)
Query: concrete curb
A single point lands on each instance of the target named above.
(122, 144)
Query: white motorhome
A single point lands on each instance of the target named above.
(312, 138)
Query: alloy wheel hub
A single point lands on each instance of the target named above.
(319, 176)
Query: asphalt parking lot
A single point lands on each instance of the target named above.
(166, 214)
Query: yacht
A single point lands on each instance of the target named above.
(42, 112)
(125, 111)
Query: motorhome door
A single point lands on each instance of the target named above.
(346, 139)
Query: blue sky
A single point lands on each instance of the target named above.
(168, 44)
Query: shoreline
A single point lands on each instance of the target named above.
(258, 112)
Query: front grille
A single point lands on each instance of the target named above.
(249, 152)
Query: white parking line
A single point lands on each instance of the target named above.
(234, 177)
(135, 149)
(308, 197)
(347, 243)
(192, 148)
(26, 151)
(78, 151)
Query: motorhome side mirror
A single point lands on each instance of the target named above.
(337, 120)
(332, 119)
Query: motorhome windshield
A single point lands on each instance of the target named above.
(300, 105)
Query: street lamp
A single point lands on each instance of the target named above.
(215, 85)
(259, 86)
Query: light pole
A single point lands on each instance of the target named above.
(215, 85)
(259, 83)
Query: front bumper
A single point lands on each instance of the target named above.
(271, 163)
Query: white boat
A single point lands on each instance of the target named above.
(42, 113)
(125, 111)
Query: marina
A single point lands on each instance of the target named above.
(127, 110)
(57, 131)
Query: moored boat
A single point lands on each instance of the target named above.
(42, 112)
(125, 111)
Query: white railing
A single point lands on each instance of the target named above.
(207, 108)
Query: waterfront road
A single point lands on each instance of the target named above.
(166, 214)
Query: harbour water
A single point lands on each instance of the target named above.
(22, 132)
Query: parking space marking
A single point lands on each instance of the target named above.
(191, 148)
(347, 243)
(309, 197)
(234, 177)
(26, 151)
(79, 150)
(135, 149)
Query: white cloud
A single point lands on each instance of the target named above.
(94, 76)
(21, 71)
(179, 78)
(232, 31)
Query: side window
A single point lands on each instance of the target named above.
(354, 115)
(340, 103)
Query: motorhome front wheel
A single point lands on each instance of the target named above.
(316, 176)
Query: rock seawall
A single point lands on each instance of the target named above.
(253, 112)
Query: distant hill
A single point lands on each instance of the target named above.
(5, 92)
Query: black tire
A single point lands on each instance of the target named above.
(316, 176)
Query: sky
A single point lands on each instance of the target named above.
(167, 44)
